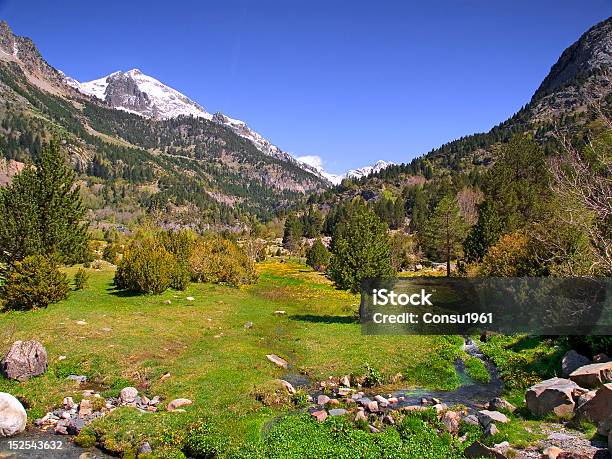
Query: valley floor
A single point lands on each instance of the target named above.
(118, 339)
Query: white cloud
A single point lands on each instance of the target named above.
(311, 160)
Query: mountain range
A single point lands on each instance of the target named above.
(140, 146)
(135, 92)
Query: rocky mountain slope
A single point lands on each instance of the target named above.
(209, 167)
(135, 92)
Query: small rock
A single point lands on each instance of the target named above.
(497, 404)
(382, 401)
(248, 325)
(177, 403)
(24, 360)
(388, 419)
(145, 448)
(128, 394)
(345, 381)
(424, 401)
(373, 407)
(373, 429)
(164, 377)
(333, 402)
(287, 385)
(552, 452)
(491, 430)
(322, 399)
(360, 416)
(280, 313)
(392, 400)
(61, 357)
(601, 358)
(338, 412)
(320, 415)
(75, 425)
(85, 407)
(81, 322)
(478, 450)
(78, 378)
(451, 419)
(168, 302)
(471, 419)
(277, 360)
(13, 417)
(68, 403)
(593, 375)
(487, 417)
(190, 298)
(344, 391)
(439, 407)
(572, 361)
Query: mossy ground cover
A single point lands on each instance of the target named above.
(118, 339)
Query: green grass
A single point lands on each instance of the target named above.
(212, 358)
(476, 369)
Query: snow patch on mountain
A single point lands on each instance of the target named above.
(135, 92)
(368, 170)
(316, 162)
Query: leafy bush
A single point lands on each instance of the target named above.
(81, 279)
(373, 377)
(111, 253)
(35, 282)
(317, 256)
(146, 267)
(510, 257)
(218, 260)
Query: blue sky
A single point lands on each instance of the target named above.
(350, 81)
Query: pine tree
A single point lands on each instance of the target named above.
(317, 256)
(484, 234)
(41, 212)
(293, 232)
(360, 249)
(445, 230)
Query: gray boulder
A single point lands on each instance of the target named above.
(487, 417)
(572, 361)
(553, 396)
(598, 408)
(13, 416)
(593, 375)
(24, 360)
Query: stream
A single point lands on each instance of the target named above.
(471, 393)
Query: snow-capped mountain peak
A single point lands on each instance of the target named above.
(316, 163)
(135, 92)
(367, 170)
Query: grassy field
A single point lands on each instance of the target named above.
(118, 339)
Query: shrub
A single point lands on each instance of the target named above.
(35, 282)
(111, 253)
(146, 267)
(218, 260)
(317, 256)
(373, 377)
(81, 279)
(510, 257)
(181, 277)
